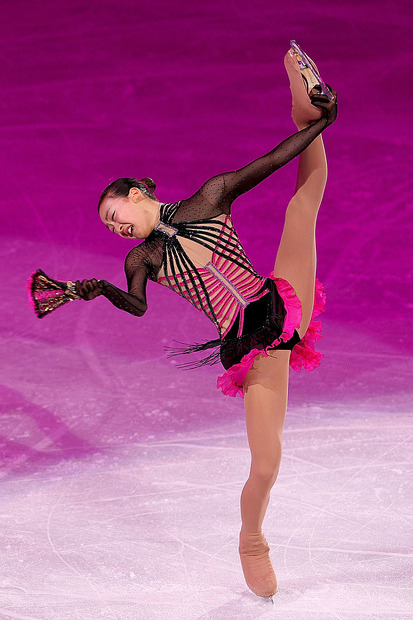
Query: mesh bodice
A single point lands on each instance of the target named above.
(195, 250)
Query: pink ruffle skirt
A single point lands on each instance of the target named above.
(303, 354)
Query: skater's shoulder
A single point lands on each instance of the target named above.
(147, 253)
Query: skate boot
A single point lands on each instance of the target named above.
(305, 79)
(256, 564)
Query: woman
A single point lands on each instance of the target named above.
(264, 326)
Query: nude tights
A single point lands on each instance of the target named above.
(266, 385)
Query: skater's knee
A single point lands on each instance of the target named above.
(306, 200)
(265, 477)
(301, 209)
(265, 470)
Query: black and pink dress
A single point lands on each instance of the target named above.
(195, 251)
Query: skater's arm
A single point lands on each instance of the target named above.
(133, 304)
(240, 181)
(133, 301)
(129, 302)
(218, 193)
(244, 179)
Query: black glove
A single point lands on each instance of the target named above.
(326, 105)
(88, 289)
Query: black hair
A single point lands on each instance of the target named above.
(121, 188)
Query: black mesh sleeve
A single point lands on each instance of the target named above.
(244, 179)
(218, 193)
(137, 273)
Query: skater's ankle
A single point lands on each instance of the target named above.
(247, 532)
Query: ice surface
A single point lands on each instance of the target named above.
(121, 474)
(149, 529)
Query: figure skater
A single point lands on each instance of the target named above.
(264, 324)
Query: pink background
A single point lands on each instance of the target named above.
(181, 91)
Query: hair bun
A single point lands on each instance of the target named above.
(150, 184)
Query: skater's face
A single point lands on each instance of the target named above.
(131, 217)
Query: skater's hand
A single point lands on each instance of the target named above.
(88, 289)
(326, 105)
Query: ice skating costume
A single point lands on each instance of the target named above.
(195, 251)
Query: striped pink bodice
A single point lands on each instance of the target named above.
(223, 281)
